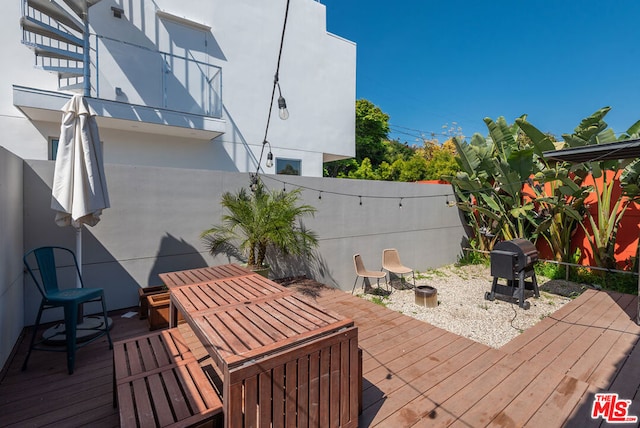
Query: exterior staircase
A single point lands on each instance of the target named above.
(59, 37)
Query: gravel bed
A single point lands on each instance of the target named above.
(463, 310)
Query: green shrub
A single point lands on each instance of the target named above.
(470, 257)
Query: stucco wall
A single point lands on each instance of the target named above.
(11, 277)
(317, 77)
(157, 215)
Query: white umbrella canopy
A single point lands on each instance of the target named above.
(79, 190)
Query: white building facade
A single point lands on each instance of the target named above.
(181, 83)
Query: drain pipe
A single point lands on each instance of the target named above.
(86, 50)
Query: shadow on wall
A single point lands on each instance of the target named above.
(174, 254)
(291, 266)
(40, 230)
(182, 77)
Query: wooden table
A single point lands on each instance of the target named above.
(195, 276)
(284, 359)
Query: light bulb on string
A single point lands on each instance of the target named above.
(282, 106)
(269, 162)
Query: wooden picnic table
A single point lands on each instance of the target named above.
(284, 359)
(195, 276)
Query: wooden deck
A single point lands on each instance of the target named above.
(414, 374)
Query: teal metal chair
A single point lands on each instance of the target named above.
(70, 299)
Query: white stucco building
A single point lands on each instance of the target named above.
(180, 83)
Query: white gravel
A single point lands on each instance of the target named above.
(462, 308)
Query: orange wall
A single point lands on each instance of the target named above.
(628, 230)
(627, 239)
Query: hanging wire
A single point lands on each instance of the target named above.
(276, 84)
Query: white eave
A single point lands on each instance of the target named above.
(46, 106)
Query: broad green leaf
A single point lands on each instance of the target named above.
(501, 135)
(490, 201)
(521, 161)
(633, 131)
(509, 180)
(541, 142)
(607, 136)
(573, 213)
(488, 213)
(468, 158)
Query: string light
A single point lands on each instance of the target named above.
(320, 195)
(282, 105)
(450, 200)
(400, 203)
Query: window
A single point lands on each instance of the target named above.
(53, 147)
(288, 166)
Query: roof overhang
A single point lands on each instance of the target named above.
(617, 150)
(46, 106)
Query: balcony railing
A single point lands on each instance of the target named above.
(122, 71)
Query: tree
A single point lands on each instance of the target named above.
(372, 128)
(414, 169)
(364, 172)
(442, 164)
(396, 150)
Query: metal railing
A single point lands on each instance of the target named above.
(135, 74)
(159, 79)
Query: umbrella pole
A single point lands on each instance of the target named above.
(78, 275)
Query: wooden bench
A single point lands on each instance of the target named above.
(317, 384)
(158, 382)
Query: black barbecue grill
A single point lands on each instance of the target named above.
(513, 260)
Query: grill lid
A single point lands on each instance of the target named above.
(524, 254)
(521, 246)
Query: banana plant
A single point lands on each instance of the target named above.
(489, 186)
(601, 228)
(558, 193)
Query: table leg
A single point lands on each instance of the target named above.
(173, 315)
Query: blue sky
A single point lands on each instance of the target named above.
(431, 63)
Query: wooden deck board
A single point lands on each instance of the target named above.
(414, 373)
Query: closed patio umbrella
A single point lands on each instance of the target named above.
(79, 191)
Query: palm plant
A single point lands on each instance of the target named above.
(258, 220)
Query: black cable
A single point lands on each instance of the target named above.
(273, 90)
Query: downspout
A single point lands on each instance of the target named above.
(86, 57)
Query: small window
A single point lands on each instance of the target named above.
(288, 166)
(117, 12)
(53, 148)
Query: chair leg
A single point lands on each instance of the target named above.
(106, 321)
(354, 284)
(70, 328)
(33, 337)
